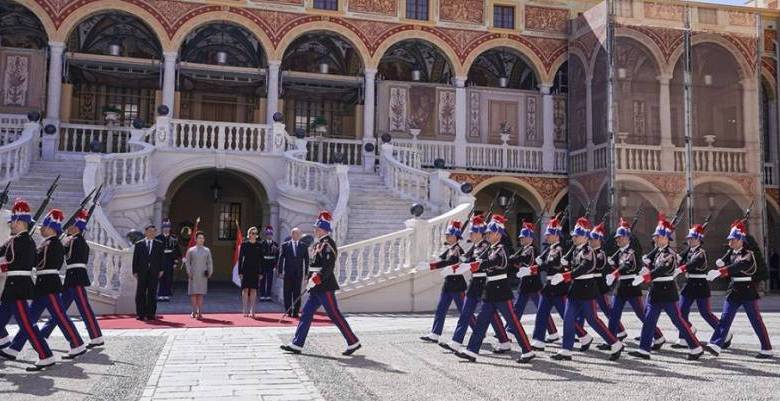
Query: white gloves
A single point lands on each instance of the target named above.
(564, 262)
(713, 274)
(539, 260)
(610, 278)
(638, 280)
(720, 263)
(556, 279)
(646, 260)
(523, 271)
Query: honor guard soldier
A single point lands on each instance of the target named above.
(454, 283)
(171, 256)
(528, 273)
(694, 264)
(739, 266)
(582, 295)
(553, 294)
(625, 269)
(479, 248)
(596, 241)
(270, 251)
(663, 294)
(48, 288)
(497, 295)
(19, 286)
(77, 279)
(322, 286)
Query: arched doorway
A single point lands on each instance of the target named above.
(518, 204)
(219, 198)
(221, 74)
(113, 66)
(502, 67)
(322, 86)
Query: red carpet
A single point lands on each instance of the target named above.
(169, 321)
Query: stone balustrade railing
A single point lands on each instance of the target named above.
(215, 135)
(328, 150)
(88, 138)
(15, 157)
(770, 174)
(11, 127)
(503, 158)
(404, 180)
(713, 160)
(426, 152)
(110, 269)
(578, 161)
(638, 157)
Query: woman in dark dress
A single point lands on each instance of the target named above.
(249, 271)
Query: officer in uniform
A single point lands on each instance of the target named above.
(476, 287)
(270, 251)
(321, 287)
(663, 294)
(582, 294)
(77, 279)
(48, 288)
(696, 289)
(171, 256)
(454, 283)
(528, 273)
(738, 265)
(625, 268)
(553, 294)
(596, 240)
(497, 295)
(19, 286)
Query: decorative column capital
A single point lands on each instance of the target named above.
(664, 79)
(170, 56)
(274, 63)
(370, 73)
(57, 46)
(545, 89)
(460, 82)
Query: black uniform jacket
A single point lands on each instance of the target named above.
(20, 256)
(453, 282)
(76, 253)
(477, 251)
(695, 260)
(625, 262)
(662, 267)
(551, 264)
(324, 262)
(49, 258)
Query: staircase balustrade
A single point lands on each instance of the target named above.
(15, 157)
(215, 135)
(324, 150)
(85, 138)
(770, 174)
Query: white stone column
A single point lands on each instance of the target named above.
(589, 122)
(548, 128)
(460, 121)
(369, 100)
(55, 81)
(272, 102)
(665, 117)
(169, 81)
(750, 116)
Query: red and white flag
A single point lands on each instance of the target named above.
(236, 251)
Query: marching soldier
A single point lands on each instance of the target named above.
(497, 296)
(625, 269)
(270, 251)
(454, 283)
(663, 293)
(582, 294)
(171, 256)
(476, 287)
(739, 265)
(553, 294)
(696, 289)
(528, 273)
(322, 286)
(19, 286)
(77, 279)
(597, 235)
(48, 289)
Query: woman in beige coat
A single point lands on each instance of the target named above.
(200, 267)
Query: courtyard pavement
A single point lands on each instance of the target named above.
(247, 364)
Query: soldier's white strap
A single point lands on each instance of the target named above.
(315, 269)
(477, 275)
(732, 279)
(587, 276)
(665, 278)
(496, 278)
(704, 276)
(269, 257)
(76, 266)
(168, 251)
(628, 277)
(47, 272)
(19, 273)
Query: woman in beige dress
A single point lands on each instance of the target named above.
(199, 268)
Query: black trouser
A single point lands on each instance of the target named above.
(267, 282)
(146, 294)
(292, 291)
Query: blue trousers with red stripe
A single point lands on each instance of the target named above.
(651, 320)
(328, 301)
(466, 320)
(603, 303)
(79, 295)
(522, 302)
(577, 309)
(637, 304)
(705, 310)
(445, 300)
(20, 310)
(486, 314)
(543, 316)
(53, 304)
(727, 318)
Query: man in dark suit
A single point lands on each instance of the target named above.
(293, 267)
(147, 269)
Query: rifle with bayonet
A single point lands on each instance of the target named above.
(474, 209)
(83, 205)
(42, 207)
(4, 195)
(588, 212)
(676, 220)
(744, 219)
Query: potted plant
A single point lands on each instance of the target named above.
(111, 113)
(319, 125)
(414, 127)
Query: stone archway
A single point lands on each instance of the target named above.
(239, 196)
(525, 206)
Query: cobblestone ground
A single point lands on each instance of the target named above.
(246, 363)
